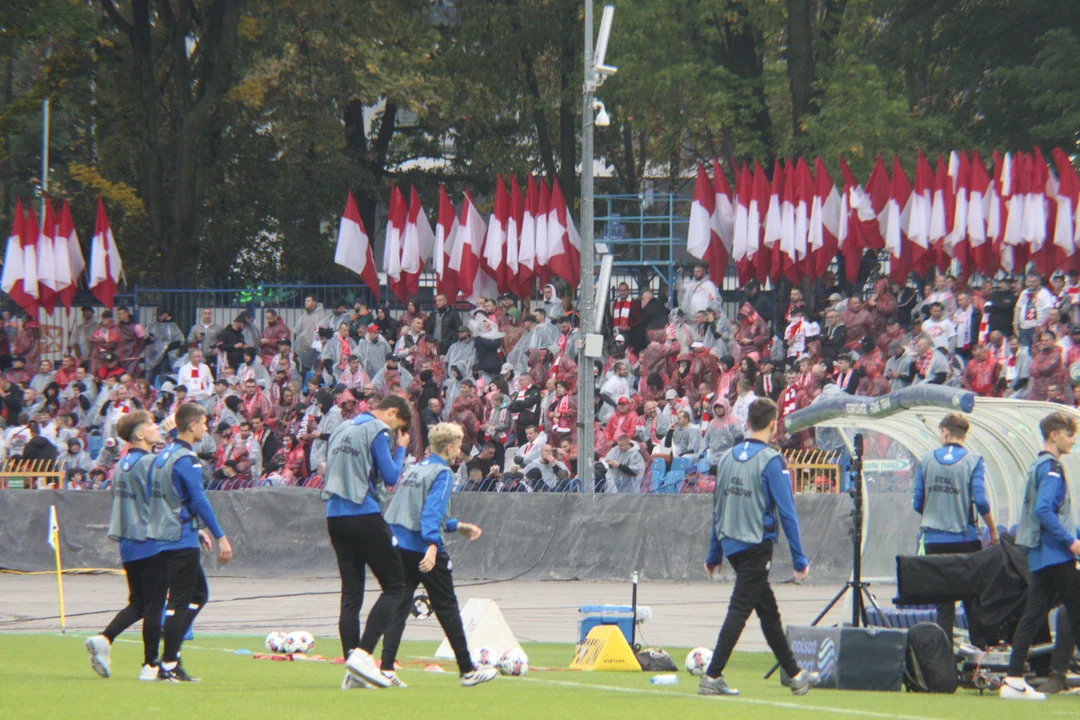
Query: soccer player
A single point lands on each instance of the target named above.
(178, 508)
(359, 453)
(144, 565)
(950, 483)
(1048, 532)
(753, 486)
(418, 515)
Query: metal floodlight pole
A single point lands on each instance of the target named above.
(585, 287)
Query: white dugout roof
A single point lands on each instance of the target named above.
(1004, 432)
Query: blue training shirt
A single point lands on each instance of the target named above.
(187, 478)
(431, 517)
(1055, 538)
(977, 490)
(777, 482)
(389, 466)
(133, 550)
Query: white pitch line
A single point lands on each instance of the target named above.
(739, 699)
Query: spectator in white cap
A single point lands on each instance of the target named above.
(373, 350)
(620, 353)
(508, 374)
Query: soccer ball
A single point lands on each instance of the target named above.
(302, 641)
(697, 661)
(514, 663)
(485, 656)
(274, 641)
(289, 644)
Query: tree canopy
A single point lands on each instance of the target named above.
(224, 133)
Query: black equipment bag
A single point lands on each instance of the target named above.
(656, 660)
(930, 667)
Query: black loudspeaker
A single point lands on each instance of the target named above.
(851, 658)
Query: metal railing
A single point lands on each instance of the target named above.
(814, 471)
(19, 474)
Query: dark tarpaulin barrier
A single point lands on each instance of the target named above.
(282, 532)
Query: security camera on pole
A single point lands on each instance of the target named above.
(595, 74)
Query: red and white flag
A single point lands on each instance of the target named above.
(543, 250)
(1066, 228)
(396, 218)
(19, 278)
(785, 265)
(857, 218)
(978, 198)
(723, 226)
(917, 212)
(739, 250)
(67, 244)
(446, 230)
(824, 220)
(46, 260)
(941, 211)
(804, 198)
(513, 238)
(1037, 214)
(417, 245)
(957, 245)
(493, 260)
(106, 270)
(563, 242)
(699, 233)
(527, 245)
(769, 263)
(472, 283)
(896, 241)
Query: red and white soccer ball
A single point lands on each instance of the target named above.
(697, 661)
(275, 641)
(301, 641)
(514, 663)
(485, 657)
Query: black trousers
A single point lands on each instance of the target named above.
(946, 612)
(752, 593)
(439, 584)
(1049, 586)
(360, 542)
(188, 593)
(1064, 645)
(148, 584)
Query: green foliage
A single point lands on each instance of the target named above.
(231, 155)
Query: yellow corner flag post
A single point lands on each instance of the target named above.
(54, 543)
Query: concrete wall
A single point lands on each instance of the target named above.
(281, 532)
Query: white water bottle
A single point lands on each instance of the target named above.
(665, 679)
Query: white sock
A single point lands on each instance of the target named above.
(169, 665)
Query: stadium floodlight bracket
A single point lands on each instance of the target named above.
(602, 72)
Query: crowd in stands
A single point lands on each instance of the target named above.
(675, 383)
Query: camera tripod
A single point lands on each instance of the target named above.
(860, 590)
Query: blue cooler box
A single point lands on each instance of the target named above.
(590, 616)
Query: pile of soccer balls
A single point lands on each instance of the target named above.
(299, 641)
(513, 662)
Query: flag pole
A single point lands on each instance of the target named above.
(54, 540)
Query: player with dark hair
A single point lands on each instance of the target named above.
(753, 486)
(145, 566)
(359, 453)
(950, 485)
(178, 509)
(1048, 531)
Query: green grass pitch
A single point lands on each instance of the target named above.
(49, 676)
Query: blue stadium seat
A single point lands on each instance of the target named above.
(672, 482)
(94, 444)
(659, 470)
(703, 466)
(682, 464)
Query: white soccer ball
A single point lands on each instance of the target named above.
(485, 656)
(514, 663)
(302, 640)
(697, 661)
(274, 641)
(289, 644)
